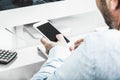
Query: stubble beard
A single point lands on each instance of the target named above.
(107, 16)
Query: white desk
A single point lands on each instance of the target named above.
(22, 67)
(79, 24)
(28, 60)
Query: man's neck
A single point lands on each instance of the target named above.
(118, 20)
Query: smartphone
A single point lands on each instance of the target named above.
(48, 30)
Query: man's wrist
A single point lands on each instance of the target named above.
(59, 52)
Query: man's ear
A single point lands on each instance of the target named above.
(114, 4)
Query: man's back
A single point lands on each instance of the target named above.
(106, 54)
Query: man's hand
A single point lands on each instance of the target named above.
(49, 44)
(76, 44)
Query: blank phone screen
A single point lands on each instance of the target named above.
(50, 32)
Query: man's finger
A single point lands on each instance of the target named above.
(71, 48)
(79, 41)
(60, 37)
(44, 41)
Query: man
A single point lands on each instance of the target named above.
(95, 58)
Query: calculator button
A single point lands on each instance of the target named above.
(1, 51)
(2, 54)
(5, 55)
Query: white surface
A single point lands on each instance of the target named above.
(78, 24)
(27, 62)
(21, 73)
(25, 57)
(15, 17)
(72, 25)
(6, 39)
(42, 51)
(32, 32)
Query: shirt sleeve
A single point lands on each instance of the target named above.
(57, 56)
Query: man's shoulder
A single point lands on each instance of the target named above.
(101, 36)
(97, 41)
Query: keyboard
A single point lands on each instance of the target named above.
(7, 56)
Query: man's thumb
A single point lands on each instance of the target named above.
(60, 37)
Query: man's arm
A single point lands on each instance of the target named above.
(75, 64)
(58, 52)
(54, 61)
(78, 66)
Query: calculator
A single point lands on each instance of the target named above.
(7, 56)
